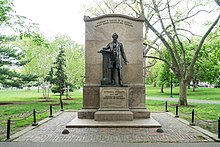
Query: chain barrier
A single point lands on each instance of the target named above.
(16, 120)
(207, 121)
(162, 104)
(27, 115)
(41, 112)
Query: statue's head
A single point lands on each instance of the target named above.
(115, 36)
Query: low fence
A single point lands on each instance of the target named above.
(193, 115)
(22, 117)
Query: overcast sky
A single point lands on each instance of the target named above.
(55, 16)
(66, 16)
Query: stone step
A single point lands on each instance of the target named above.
(113, 115)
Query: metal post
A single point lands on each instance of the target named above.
(51, 111)
(166, 107)
(61, 105)
(193, 118)
(177, 111)
(34, 115)
(219, 127)
(8, 128)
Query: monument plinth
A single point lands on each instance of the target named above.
(113, 104)
(114, 89)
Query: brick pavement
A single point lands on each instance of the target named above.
(174, 131)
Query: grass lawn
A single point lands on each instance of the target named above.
(201, 93)
(22, 103)
(19, 104)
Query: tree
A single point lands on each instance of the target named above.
(163, 77)
(170, 22)
(74, 59)
(10, 54)
(60, 76)
(171, 35)
(208, 67)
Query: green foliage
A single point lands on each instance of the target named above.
(10, 54)
(6, 7)
(75, 58)
(209, 60)
(60, 79)
(164, 75)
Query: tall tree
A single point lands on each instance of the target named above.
(10, 54)
(171, 35)
(168, 23)
(74, 59)
(60, 76)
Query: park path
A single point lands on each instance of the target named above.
(189, 100)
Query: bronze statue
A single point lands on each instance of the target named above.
(116, 55)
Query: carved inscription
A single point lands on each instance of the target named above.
(114, 21)
(114, 98)
(117, 94)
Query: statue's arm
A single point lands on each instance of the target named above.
(107, 47)
(123, 53)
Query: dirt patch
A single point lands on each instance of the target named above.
(69, 99)
(174, 105)
(14, 103)
(1, 104)
(48, 101)
(58, 104)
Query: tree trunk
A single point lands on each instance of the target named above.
(182, 94)
(161, 89)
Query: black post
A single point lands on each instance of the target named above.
(8, 128)
(171, 85)
(51, 111)
(34, 115)
(166, 107)
(61, 105)
(219, 127)
(177, 111)
(193, 118)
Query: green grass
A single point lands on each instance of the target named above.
(205, 112)
(201, 93)
(24, 101)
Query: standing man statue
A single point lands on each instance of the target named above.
(117, 54)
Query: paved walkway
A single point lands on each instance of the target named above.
(174, 132)
(102, 144)
(189, 100)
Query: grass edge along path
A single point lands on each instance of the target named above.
(25, 101)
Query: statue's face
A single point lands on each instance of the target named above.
(115, 36)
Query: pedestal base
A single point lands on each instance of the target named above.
(91, 123)
(140, 113)
(87, 113)
(113, 115)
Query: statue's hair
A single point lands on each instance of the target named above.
(115, 35)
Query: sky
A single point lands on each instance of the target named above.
(66, 16)
(55, 16)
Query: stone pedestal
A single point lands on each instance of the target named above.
(113, 104)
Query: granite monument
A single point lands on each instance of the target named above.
(111, 92)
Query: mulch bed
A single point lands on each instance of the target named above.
(5, 104)
(174, 105)
(13, 103)
(58, 104)
(47, 101)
